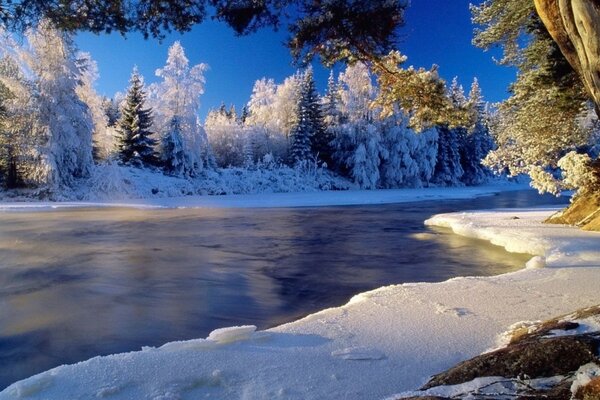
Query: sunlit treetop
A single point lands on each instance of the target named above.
(332, 29)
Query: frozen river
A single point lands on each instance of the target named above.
(75, 283)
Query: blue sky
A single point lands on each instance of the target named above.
(436, 32)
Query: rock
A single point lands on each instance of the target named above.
(533, 357)
(558, 392)
(424, 398)
(583, 212)
(591, 391)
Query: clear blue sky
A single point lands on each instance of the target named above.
(436, 32)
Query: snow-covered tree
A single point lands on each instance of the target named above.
(62, 116)
(112, 110)
(332, 102)
(357, 93)
(320, 136)
(178, 95)
(300, 137)
(172, 154)
(226, 138)
(272, 115)
(399, 168)
(20, 137)
(136, 144)
(448, 169)
(103, 136)
(477, 142)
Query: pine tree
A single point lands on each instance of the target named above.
(478, 141)
(448, 169)
(172, 152)
(244, 114)
(136, 146)
(300, 136)
(331, 104)
(320, 137)
(111, 109)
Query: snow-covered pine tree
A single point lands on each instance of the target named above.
(300, 136)
(244, 114)
(331, 103)
(172, 154)
(178, 94)
(111, 109)
(320, 137)
(448, 169)
(478, 141)
(136, 146)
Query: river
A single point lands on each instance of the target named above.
(76, 283)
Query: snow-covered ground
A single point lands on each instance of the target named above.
(296, 199)
(382, 342)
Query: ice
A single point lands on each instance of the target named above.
(536, 262)
(358, 353)
(232, 334)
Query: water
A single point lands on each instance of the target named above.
(79, 283)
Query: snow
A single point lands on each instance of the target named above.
(382, 342)
(518, 231)
(293, 199)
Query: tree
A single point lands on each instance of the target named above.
(64, 121)
(419, 92)
(332, 102)
(226, 138)
(136, 146)
(575, 28)
(172, 154)
(448, 169)
(477, 141)
(103, 137)
(111, 109)
(539, 123)
(320, 137)
(333, 29)
(300, 137)
(178, 95)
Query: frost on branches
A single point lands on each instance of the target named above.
(178, 95)
(64, 121)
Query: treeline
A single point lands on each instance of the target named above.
(343, 131)
(54, 127)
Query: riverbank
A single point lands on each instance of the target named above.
(278, 200)
(382, 342)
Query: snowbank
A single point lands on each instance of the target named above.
(518, 232)
(382, 342)
(296, 199)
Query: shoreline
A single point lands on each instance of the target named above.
(381, 342)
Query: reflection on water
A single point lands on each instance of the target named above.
(78, 283)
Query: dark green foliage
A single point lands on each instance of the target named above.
(334, 29)
(136, 147)
(320, 137)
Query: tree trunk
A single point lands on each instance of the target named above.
(575, 27)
